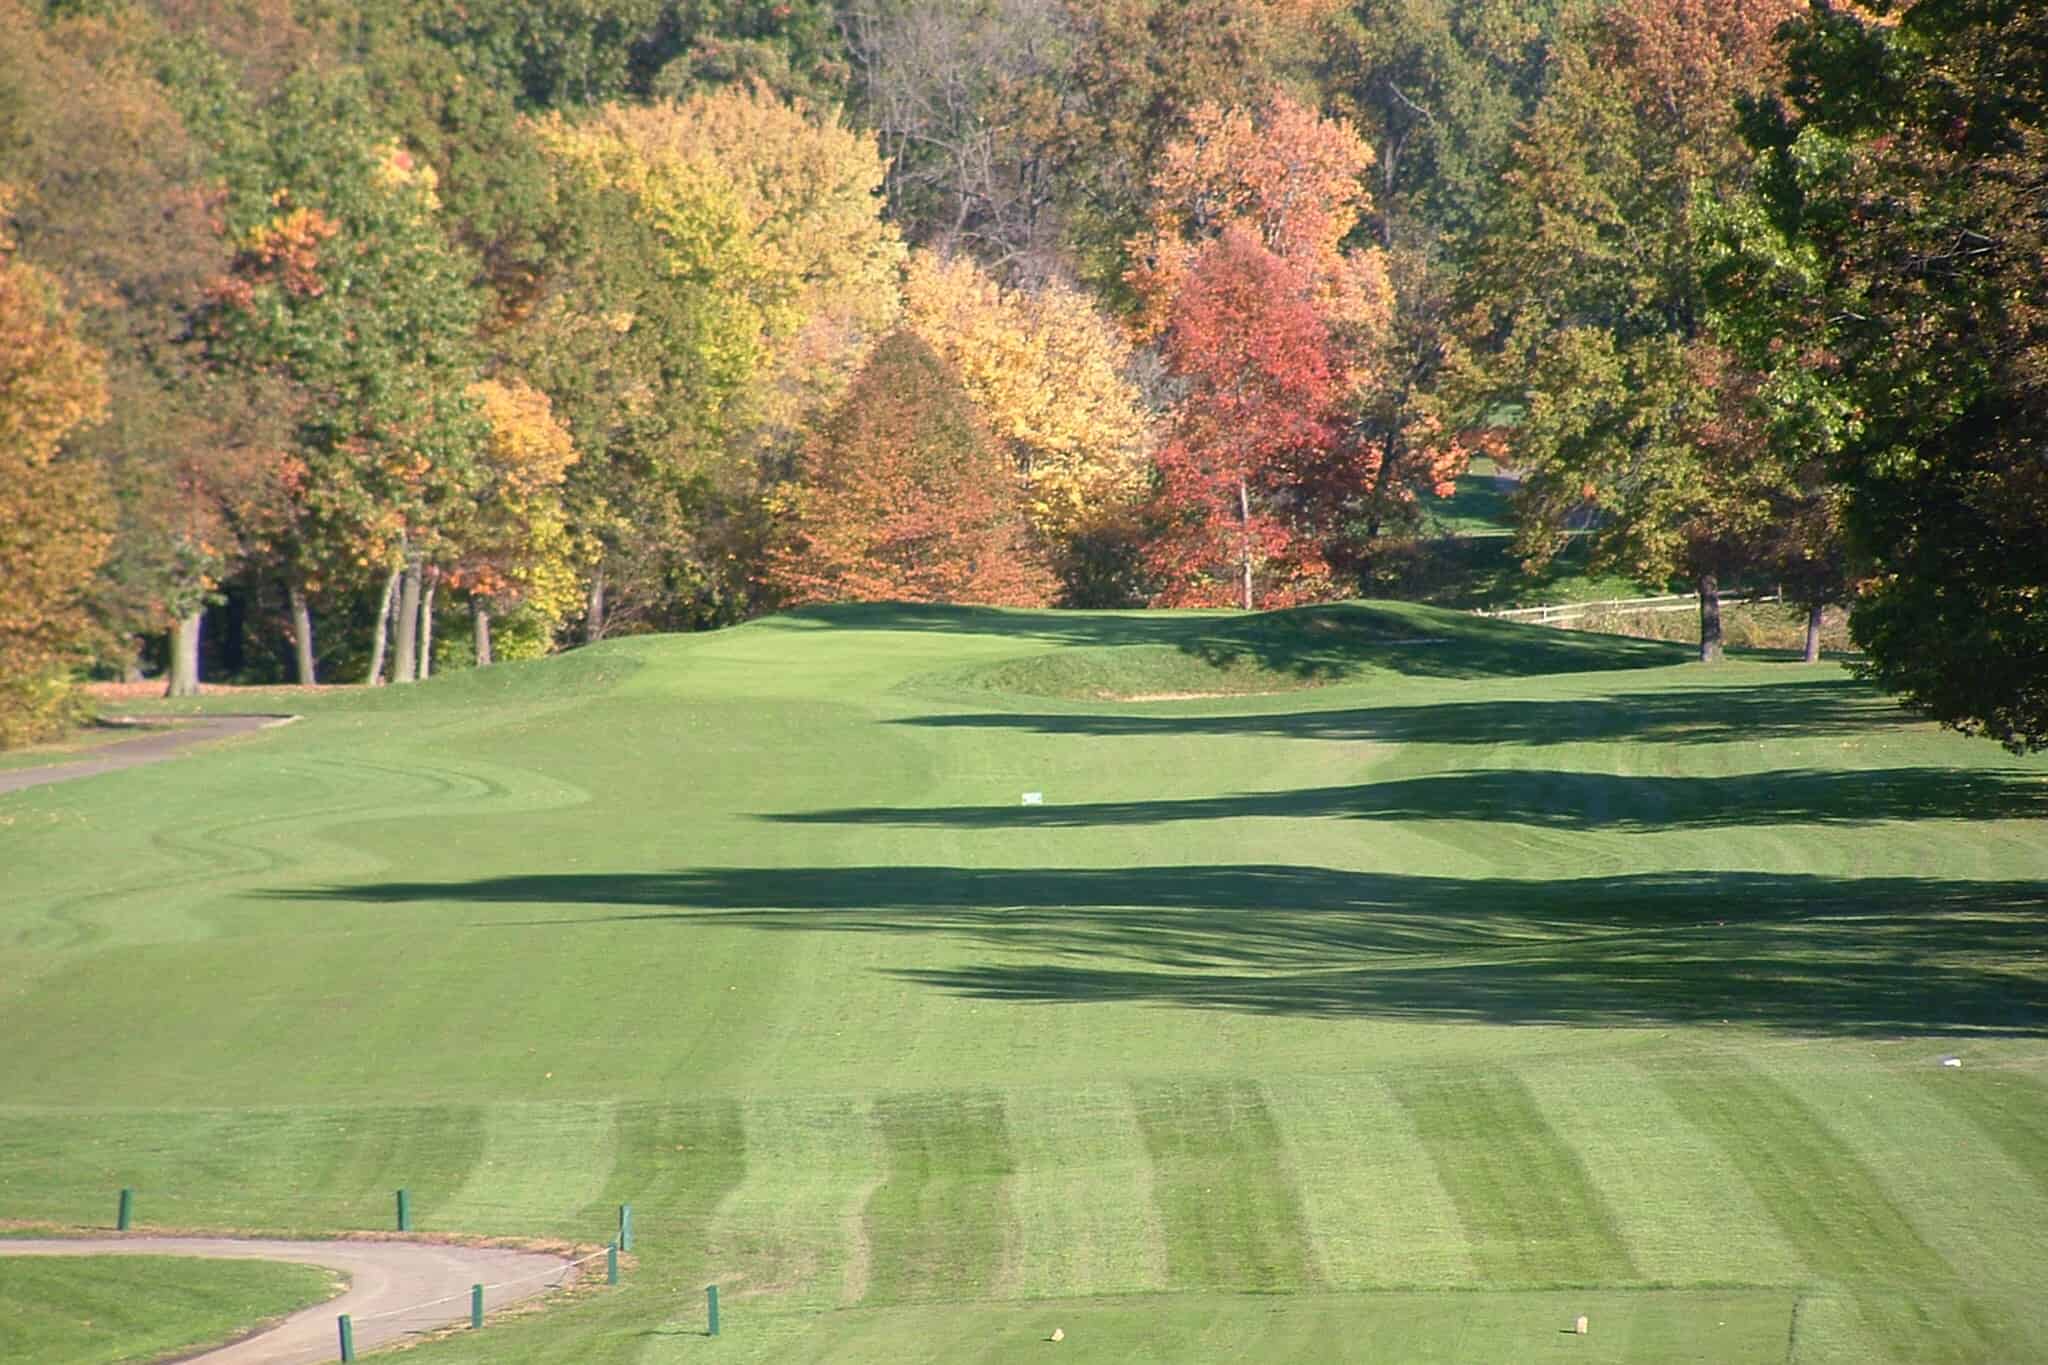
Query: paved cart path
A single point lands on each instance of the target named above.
(388, 1281)
(153, 745)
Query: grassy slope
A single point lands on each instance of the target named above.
(1517, 962)
(97, 1310)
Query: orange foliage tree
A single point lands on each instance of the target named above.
(902, 497)
(1288, 185)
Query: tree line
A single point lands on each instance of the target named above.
(346, 341)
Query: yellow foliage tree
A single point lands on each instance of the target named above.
(805, 243)
(1048, 372)
(53, 513)
(519, 549)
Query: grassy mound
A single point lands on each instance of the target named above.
(1405, 1014)
(85, 1310)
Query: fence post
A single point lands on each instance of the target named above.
(348, 1337)
(476, 1306)
(126, 1213)
(625, 1227)
(611, 1264)
(711, 1303)
(404, 1211)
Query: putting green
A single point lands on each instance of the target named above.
(1433, 977)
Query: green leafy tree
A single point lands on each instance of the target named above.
(1890, 283)
(1589, 308)
(346, 289)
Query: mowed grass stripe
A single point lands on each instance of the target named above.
(1833, 1208)
(791, 1226)
(676, 1164)
(284, 1170)
(543, 1167)
(1375, 1211)
(939, 1224)
(1677, 1199)
(1224, 1187)
(1082, 1197)
(1527, 1205)
(1936, 1167)
(2009, 1109)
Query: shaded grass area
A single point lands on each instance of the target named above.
(1787, 951)
(1806, 708)
(86, 1310)
(1136, 655)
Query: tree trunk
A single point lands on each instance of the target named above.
(185, 655)
(1244, 522)
(593, 616)
(302, 632)
(1710, 619)
(131, 669)
(1813, 634)
(377, 646)
(427, 624)
(480, 617)
(406, 657)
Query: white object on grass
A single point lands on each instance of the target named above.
(1951, 1061)
(1034, 798)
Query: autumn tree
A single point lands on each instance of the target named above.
(516, 548)
(53, 513)
(1048, 372)
(902, 496)
(1888, 283)
(1292, 181)
(1236, 521)
(115, 205)
(722, 267)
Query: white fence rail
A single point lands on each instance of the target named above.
(1569, 611)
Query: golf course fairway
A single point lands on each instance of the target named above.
(1365, 982)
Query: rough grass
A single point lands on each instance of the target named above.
(90, 1310)
(1405, 1013)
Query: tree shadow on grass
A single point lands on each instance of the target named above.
(1828, 955)
(1326, 643)
(1821, 708)
(1545, 798)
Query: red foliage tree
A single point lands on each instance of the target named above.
(1241, 481)
(902, 497)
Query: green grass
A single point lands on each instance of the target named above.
(1422, 983)
(99, 1310)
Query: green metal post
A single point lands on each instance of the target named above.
(625, 1227)
(404, 1211)
(611, 1264)
(711, 1302)
(126, 1214)
(476, 1306)
(348, 1338)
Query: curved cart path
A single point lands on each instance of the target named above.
(153, 746)
(388, 1283)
